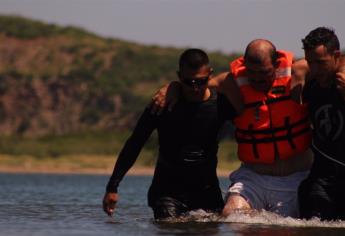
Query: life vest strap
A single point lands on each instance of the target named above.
(274, 130)
(289, 132)
(255, 147)
(272, 139)
(267, 101)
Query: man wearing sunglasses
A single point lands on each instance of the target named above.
(185, 175)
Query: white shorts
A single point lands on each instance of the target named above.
(277, 194)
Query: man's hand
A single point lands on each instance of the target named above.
(109, 202)
(340, 77)
(166, 97)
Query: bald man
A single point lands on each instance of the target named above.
(272, 131)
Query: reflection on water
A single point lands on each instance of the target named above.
(71, 205)
(188, 228)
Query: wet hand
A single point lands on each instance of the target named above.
(340, 80)
(109, 202)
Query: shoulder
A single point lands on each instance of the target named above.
(300, 67)
(299, 71)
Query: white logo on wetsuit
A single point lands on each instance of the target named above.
(329, 122)
(193, 153)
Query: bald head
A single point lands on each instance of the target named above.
(260, 50)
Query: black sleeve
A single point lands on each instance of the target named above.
(306, 90)
(225, 109)
(130, 151)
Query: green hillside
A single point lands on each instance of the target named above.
(65, 90)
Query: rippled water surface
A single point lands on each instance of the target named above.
(71, 205)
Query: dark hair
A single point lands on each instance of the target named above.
(321, 36)
(193, 58)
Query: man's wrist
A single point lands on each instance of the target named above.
(111, 188)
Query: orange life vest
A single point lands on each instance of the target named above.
(272, 126)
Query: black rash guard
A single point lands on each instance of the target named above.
(322, 193)
(327, 110)
(188, 143)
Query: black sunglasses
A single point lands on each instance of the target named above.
(202, 81)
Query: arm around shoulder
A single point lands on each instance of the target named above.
(216, 81)
(167, 96)
(228, 87)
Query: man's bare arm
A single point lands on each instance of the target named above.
(299, 71)
(225, 84)
(216, 81)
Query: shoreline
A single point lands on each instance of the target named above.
(79, 164)
(135, 171)
(19, 170)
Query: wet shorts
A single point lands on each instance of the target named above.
(272, 193)
(323, 197)
(165, 206)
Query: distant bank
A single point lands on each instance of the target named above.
(81, 164)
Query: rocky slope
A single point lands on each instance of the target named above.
(60, 80)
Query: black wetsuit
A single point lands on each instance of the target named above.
(185, 175)
(322, 194)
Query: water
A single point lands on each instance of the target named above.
(39, 204)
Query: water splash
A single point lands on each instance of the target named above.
(270, 218)
(256, 217)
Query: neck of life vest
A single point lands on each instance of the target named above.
(272, 126)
